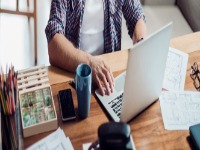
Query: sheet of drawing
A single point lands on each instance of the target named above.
(180, 109)
(55, 141)
(175, 72)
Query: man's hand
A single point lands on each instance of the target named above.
(102, 75)
(61, 54)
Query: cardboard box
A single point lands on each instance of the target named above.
(38, 113)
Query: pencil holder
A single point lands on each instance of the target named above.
(10, 129)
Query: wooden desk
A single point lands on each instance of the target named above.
(147, 129)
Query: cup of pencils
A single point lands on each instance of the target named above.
(9, 105)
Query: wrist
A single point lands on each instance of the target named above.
(139, 39)
(90, 60)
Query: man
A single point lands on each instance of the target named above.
(79, 29)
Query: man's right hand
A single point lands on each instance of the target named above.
(102, 75)
(68, 57)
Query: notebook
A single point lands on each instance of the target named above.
(141, 84)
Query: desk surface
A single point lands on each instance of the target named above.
(147, 129)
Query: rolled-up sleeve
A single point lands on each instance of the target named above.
(132, 11)
(57, 18)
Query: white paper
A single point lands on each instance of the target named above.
(175, 72)
(180, 110)
(55, 141)
(86, 146)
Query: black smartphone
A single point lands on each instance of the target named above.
(66, 105)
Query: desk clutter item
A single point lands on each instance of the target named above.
(37, 107)
(112, 135)
(10, 122)
(175, 71)
(115, 135)
(66, 104)
(83, 84)
(180, 110)
(195, 135)
(55, 141)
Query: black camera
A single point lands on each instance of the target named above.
(115, 136)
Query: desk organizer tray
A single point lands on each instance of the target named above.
(38, 113)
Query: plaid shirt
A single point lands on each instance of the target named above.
(66, 17)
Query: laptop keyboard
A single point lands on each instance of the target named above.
(116, 104)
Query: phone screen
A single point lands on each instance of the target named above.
(66, 105)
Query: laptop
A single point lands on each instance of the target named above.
(141, 84)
